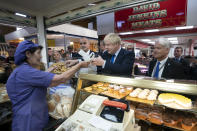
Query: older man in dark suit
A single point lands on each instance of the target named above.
(115, 60)
(164, 67)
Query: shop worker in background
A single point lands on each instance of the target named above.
(115, 60)
(73, 55)
(83, 54)
(162, 66)
(101, 48)
(178, 58)
(27, 88)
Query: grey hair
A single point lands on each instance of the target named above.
(113, 38)
(164, 41)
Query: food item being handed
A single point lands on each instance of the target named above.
(175, 101)
(59, 67)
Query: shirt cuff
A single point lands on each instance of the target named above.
(79, 60)
(103, 66)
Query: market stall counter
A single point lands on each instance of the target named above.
(167, 103)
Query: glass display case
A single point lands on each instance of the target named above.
(182, 88)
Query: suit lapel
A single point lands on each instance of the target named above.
(166, 68)
(118, 58)
(152, 67)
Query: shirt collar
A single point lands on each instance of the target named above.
(117, 52)
(88, 52)
(163, 61)
(178, 58)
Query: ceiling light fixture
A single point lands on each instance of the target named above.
(146, 40)
(19, 14)
(174, 42)
(184, 27)
(154, 30)
(172, 38)
(91, 4)
(125, 33)
(151, 42)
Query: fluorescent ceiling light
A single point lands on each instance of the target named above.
(151, 42)
(18, 28)
(146, 40)
(21, 39)
(174, 42)
(172, 38)
(125, 33)
(19, 14)
(91, 4)
(184, 27)
(154, 30)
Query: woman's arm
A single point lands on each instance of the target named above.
(58, 79)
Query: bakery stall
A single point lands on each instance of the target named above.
(168, 104)
(5, 106)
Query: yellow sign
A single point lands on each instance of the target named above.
(51, 43)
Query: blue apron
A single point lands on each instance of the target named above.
(27, 88)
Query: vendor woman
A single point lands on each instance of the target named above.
(27, 88)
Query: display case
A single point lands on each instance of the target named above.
(186, 88)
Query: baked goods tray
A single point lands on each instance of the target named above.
(115, 95)
(150, 102)
(178, 127)
(193, 108)
(96, 92)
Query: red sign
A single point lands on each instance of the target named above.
(169, 13)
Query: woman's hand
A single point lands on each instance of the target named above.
(98, 61)
(84, 64)
(70, 63)
(51, 68)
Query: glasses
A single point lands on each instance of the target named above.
(82, 43)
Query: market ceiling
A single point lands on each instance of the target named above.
(60, 11)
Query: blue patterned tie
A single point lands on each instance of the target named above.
(156, 75)
(112, 59)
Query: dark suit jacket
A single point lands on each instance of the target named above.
(172, 69)
(194, 72)
(186, 67)
(122, 66)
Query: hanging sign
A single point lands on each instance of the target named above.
(169, 13)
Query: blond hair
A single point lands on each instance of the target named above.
(112, 38)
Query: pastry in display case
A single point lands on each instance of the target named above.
(175, 101)
(117, 91)
(111, 90)
(97, 88)
(143, 96)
